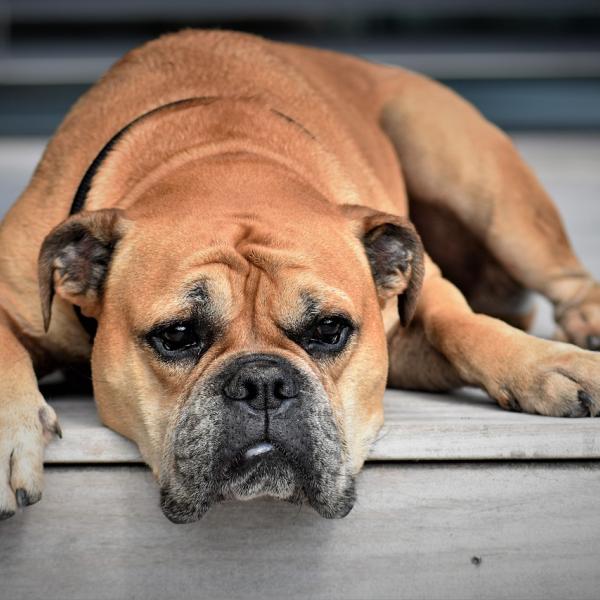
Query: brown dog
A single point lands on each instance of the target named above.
(241, 239)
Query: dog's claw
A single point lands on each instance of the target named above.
(26, 499)
(49, 421)
(586, 401)
(6, 514)
(593, 342)
(22, 499)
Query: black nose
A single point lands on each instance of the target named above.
(262, 383)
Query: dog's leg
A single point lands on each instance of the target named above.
(415, 364)
(453, 158)
(485, 283)
(27, 423)
(519, 371)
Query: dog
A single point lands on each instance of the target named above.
(221, 226)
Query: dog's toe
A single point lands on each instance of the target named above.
(27, 465)
(556, 380)
(580, 324)
(586, 402)
(593, 342)
(23, 435)
(8, 502)
(25, 498)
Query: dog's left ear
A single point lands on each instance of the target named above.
(395, 254)
(75, 257)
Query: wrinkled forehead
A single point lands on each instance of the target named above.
(239, 264)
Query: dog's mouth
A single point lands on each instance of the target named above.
(263, 468)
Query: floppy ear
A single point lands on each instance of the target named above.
(74, 260)
(395, 254)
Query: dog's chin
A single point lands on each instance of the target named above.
(271, 475)
(267, 474)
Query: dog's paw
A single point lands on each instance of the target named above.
(578, 319)
(555, 380)
(25, 428)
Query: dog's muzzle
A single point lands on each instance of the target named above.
(260, 427)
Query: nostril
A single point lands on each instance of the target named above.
(241, 389)
(284, 389)
(250, 391)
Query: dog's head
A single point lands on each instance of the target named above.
(240, 340)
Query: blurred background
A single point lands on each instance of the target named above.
(525, 63)
(531, 66)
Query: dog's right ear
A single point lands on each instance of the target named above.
(75, 257)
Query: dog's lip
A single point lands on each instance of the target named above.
(258, 450)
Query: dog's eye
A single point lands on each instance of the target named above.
(178, 337)
(329, 334)
(177, 340)
(327, 331)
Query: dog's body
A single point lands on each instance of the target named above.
(265, 185)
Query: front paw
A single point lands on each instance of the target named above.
(578, 319)
(553, 379)
(26, 427)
